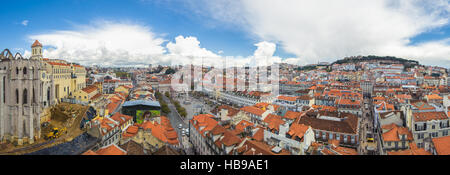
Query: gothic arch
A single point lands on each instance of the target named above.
(18, 56)
(25, 96)
(4, 89)
(17, 96)
(6, 54)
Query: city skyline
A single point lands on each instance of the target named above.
(130, 33)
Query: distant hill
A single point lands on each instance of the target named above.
(382, 59)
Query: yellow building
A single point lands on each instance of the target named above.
(67, 77)
(87, 94)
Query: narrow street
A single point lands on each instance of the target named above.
(175, 121)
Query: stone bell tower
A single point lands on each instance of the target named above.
(36, 50)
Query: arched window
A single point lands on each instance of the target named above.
(48, 94)
(34, 99)
(4, 91)
(17, 71)
(25, 96)
(24, 70)
(17, 96)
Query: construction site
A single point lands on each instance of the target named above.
(60, 124)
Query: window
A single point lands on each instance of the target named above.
(432, 126)
(420, 135)
(4, 91)
(24, 70)
(434, 134)
(331, 136)
(17, 96)
(34, 99)
(389, 143)
(17, 71)
(445, 133)
(338, 137)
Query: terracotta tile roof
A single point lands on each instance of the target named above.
(292, 115)
(131, 131)
(231, 111)
(251, 147)
(90, 89)
(57, 64)
(304, 97)
(384, 106)
(344, 151)
(326, 151)
(259, 135)
(96, 96)
(112, 106)
(413, 150)
(297, 130)
(121, 118)
(230, 139)
(348, 102)
(274, 121)
(203, 123)
(394, 133)
(287, 98)
(434, 97)
(261, 105)
(240, 127)
(252, 110)
(325, 108)
(348, 125)
(404, 96)
(163, 133)
(89, 152)
(36, 43)
(111, 150)
(132, 148)
(442, 145)
(217, 130)
(379, 98)
(427, 116)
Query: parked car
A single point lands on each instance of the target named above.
(180, 126)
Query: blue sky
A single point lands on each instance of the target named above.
(164, 19)
(301, 33)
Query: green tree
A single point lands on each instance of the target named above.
(167, 94)
(165, 108)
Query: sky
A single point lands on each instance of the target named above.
(218, 32)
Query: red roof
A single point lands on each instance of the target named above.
(89, 89)
(89, 152)
(111, 150)
(253, 110)
(427, 116)
(287, 98)
(121, 118)
(57, 64)
(442, 145)
(36, 43)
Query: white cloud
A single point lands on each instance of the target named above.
(24, 22)
(327, 29)
(188, 46)
(103, 43)
(125, 44)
